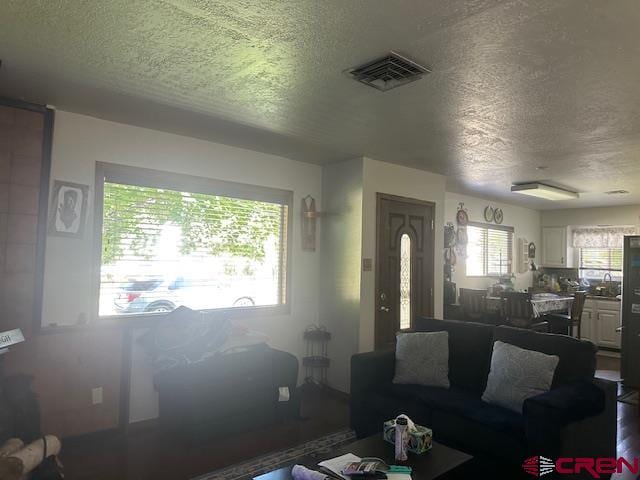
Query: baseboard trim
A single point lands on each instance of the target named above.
(325, 388)
(142, 425)
(339, 393)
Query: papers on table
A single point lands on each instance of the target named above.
(337, 464)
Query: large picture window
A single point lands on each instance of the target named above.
(489, 250)
(172, 240)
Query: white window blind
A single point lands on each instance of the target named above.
(596, 262)
(166, 247)
(489, 250)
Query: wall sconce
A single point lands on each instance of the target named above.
(309, 217)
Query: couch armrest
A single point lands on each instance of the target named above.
(565, 404)
(548, 415)
(595, 436)
(368, 371)
(371, 369)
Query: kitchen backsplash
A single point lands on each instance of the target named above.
(607, 288)
(571, 273)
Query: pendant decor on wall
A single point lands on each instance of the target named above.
(522, 259)
(450, 257)
(462, 218)
(449, 246)
(461, 237)
(449, 235)
(309, 218)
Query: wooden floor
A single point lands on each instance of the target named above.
(628, 436)
(628, 417)
(147, 454)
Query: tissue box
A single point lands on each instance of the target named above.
(419, 439)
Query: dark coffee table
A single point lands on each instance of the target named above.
(436, 463)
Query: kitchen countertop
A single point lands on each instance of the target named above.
(605, 298)
(592, 296)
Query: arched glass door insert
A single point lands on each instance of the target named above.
(405, 281)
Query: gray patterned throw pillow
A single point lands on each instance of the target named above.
(517, 374)
(422, 358)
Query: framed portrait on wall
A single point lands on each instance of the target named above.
(68, 209)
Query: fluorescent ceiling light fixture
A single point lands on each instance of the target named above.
(541, 190)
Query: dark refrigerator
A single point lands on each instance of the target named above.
(630, 366)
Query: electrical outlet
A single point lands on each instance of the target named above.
(96, 395)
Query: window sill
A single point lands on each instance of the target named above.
(151, 319)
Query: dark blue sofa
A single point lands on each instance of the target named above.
(576, 418)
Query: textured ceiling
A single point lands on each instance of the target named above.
(515, 84)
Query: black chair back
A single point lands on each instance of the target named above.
(577, 307)
(473, 303)
(517, 309)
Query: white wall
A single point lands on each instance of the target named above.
(526, 224)
(79, 142)
(623, 215)
(347, 304)
(406, 182)
(340, 271)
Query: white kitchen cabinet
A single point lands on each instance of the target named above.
(554, 247)
(600, 321)
(608, 322)
(586, 326)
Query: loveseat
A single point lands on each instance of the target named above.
(576, 418)
(229, 393)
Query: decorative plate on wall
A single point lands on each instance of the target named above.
(488, 213)
(498, 216)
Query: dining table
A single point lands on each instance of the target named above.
(542, 303)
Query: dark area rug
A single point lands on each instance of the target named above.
(273, 461)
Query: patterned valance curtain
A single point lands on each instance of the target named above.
(601, 237)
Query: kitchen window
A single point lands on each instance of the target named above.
(596, 262)
(170, 240)
(489, 250)
(600, 250)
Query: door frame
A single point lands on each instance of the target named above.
(429, 253)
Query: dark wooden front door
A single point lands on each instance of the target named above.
(404, 265)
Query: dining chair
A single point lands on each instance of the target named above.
(517, 311)
(473, 303)
(564, 323)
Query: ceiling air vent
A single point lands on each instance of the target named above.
(389, 72)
